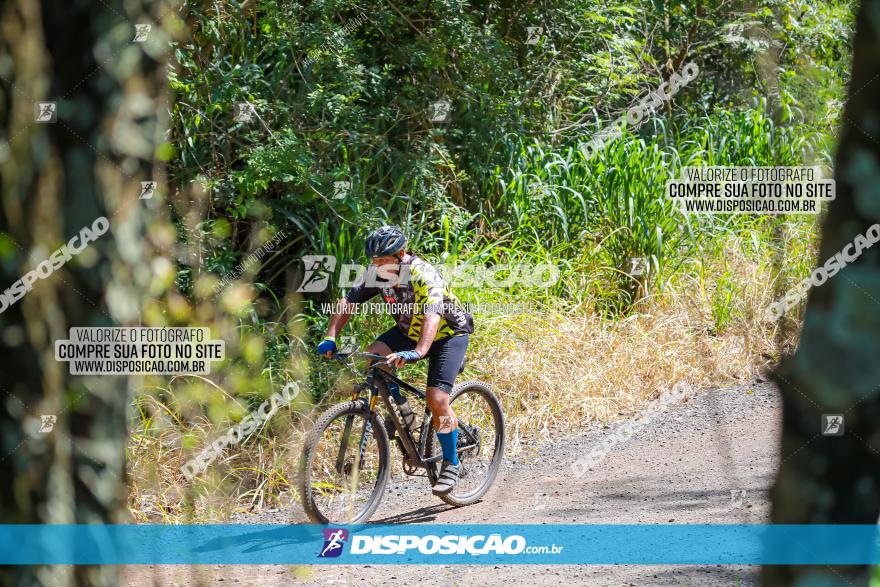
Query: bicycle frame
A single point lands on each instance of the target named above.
(376, 377)
(415, 453)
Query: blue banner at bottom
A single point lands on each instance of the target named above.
(677, 544)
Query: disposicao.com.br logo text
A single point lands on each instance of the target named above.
(476, 545)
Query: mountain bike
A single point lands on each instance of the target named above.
(346, 459)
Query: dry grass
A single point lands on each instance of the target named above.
(557, 372)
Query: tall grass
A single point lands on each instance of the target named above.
(595, 216)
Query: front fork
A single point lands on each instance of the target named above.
(346, 433)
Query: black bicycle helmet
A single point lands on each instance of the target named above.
(385, 241)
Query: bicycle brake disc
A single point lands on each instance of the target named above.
(478, 439)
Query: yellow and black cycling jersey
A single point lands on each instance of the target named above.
(421, 291)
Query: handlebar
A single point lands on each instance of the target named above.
(343, 357)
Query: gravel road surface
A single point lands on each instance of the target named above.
(708, 459)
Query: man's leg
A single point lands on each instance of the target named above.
(389, 342)
(446, 357)
(445, 422)
(380, 348)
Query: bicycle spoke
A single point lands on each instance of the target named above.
(342, 480)
(476, 441)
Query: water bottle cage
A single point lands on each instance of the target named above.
(406, 414)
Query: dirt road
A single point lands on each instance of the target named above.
(707, 459)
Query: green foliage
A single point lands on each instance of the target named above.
(343, 92)
(612, 208)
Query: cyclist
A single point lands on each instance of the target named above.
(430, 323)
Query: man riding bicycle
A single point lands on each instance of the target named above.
(430, 323)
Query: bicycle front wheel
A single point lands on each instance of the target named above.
(344, 465)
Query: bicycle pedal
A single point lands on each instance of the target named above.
(410, 467)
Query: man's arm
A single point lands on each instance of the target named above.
(429, 297)
(337, 322)
(340, 318)
(345, 308)
(430, 324)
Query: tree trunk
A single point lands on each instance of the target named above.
(58, 177)
(836, 368)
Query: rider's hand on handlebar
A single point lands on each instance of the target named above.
(327, 347)
(399, 359)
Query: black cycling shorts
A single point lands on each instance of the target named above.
(445, 359)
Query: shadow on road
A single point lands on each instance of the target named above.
(425, 514)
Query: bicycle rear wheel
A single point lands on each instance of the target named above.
(480, 441)
(344, 465)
